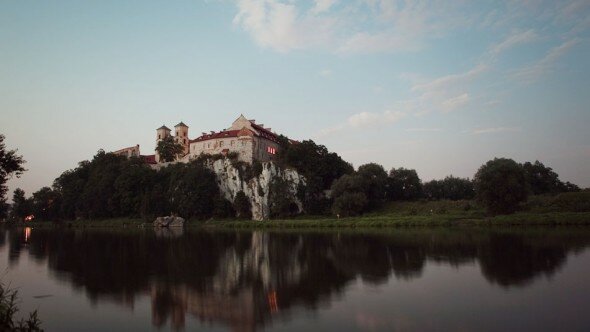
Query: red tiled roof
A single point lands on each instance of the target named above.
(264, 132)
(221, 134)
(150, 159)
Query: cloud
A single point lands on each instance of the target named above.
(325, 72)
(534, 71)
(357, 27)
(448, 80)
(364, 120)
(423, 130)
(514, 40)
(322, 6)
(455, 102)
(493, 130)
(279, 25)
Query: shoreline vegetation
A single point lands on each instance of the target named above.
(538, 211)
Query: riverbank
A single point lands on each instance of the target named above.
(396, 214)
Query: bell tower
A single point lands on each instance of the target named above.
(181, 135)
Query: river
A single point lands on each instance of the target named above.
(459, 279)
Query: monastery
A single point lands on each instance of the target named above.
(251, 141)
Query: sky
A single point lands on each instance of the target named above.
(437, 86)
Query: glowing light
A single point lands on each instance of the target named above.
(27, 234)
(271, 150)
(29, 217)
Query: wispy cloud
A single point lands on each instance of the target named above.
(423, 130)
(514, 39)
(364, 120)
(534, 71)
(455, 102)
(493, 130)
(358, 27)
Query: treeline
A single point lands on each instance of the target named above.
(111, 186)
(500, 185)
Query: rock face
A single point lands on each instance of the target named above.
(169, 222)
(257, 189)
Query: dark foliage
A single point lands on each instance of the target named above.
(113, 186)
(11, 164)
(169, 149)
(242, 206)
(319, 167)
(501, 185)
(8, 310)
(543, 180)
(403, 185)
(451, 188)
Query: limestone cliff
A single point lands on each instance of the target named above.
(231, 179)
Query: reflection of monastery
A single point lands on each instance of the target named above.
(251, 141)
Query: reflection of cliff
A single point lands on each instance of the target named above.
(244, 279)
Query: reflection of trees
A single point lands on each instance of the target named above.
(242, 279)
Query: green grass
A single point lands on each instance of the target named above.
(563, 209)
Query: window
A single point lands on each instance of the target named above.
(271, 150)
(159, 136)
(231, 143)
(220, 143)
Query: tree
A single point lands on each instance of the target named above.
(242, 206)
(543, 180)
(10, 164)
(21, 206)
(345, 191)
(280, 200)
(404, 184)
(450, 187)
(501, 185)
(46, 204)
(349, 204)
(375, 183)
(169, 149)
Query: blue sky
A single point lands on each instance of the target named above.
(439, 86)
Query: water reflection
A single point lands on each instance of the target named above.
(244, 279)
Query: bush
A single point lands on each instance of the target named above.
(349, 204)
(501, 186)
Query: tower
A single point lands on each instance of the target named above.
(181, 136)
(161, 133)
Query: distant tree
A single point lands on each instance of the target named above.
(280, 200)
(375, 183)
(345, 190)
(404, 184)
(451, 188)
(192, 190)
(501, 185)
(46, 204)
(10, 164)
(21, 206)
(349, 204)
(169, 149)
(242, 206)
(223, 208)
(541, 179)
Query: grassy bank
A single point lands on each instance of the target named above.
(572, 209)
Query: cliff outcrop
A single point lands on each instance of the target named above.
(233, 177)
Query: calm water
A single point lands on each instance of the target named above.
(386, 280)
